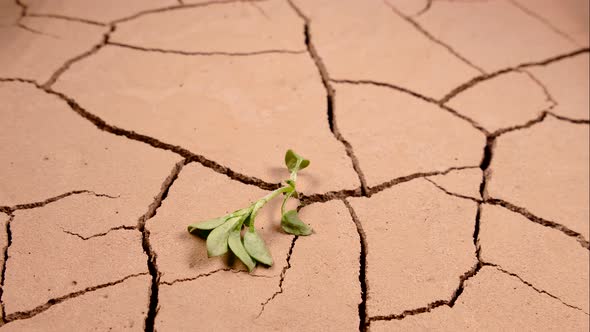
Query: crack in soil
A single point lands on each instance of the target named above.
(212, 53)
(330, 96)
(452, 193)
(431, 100)
(55, 76)
(406, 178)
(450, 303)
(456, 294)
(543, 20)
(206, 274)
(499, 268)
(37, 32)
(190, 156)
(34, 312)
(283, 275)
(432, 38)
(147, 248)
(346, 193)
(484, 165)
(10, 209)
(122, 227)
(363, 280)
(425, 9)
(541, 221)
(67, 18)
(484, 77)
(179, 6)
(5, 255)
(574, 121)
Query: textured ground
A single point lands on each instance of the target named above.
(448, 188)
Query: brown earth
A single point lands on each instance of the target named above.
(448, 186)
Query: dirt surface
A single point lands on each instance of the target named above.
(449, 177)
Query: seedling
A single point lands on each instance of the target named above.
(226, 231)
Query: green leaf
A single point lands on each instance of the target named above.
(255, 246)
(295, 162)
(206, 225)
(217, 239)
(291, 224)
(236, 246)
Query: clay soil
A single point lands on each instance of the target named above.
(449, 179)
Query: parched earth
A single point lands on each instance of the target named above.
(448, 186)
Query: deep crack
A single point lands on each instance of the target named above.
(363, 279)
(484, 165)
(5, 255)
(147, 248)
(330, 96)
(102, 125)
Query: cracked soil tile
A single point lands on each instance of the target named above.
(200, 194)
(98, 11)
(385, 48)
(502, 102)
(545, 169)
(321, 287)
(494, 301)
(568, 17)
(243, 112)
(239, 27)
(493, 34)
(394, 134)
(464, 182)
(35, 56)
(544, 257)
(568, 82)
(420, 242)
(119, 307)
(45, 263)
(47, 156)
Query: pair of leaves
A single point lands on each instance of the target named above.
(295, 162)
(226, 232)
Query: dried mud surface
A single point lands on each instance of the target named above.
(448, 188)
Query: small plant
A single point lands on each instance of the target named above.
(226, 231)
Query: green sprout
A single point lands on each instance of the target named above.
(226, 231)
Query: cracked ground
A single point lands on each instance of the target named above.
(449, 178)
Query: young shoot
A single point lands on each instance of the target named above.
(226, 231)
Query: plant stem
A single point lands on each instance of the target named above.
(261, 202)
